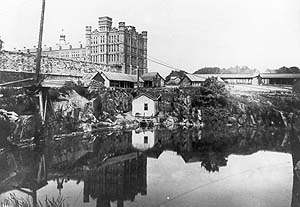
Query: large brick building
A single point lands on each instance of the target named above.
(122, 47)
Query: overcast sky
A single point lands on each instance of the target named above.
(190, 34)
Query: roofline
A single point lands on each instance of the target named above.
(149, 96)
(158, 74)
(94, 74)
(190, 79)
(141, 81)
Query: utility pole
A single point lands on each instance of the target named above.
(39, 52)
(38, 63)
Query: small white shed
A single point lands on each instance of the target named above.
(143, 140)
(145, 105)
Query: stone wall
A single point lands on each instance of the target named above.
(9, 76)
(14, 61)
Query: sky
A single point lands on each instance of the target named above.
(187, 35)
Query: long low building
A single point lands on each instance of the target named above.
(237, 78)
(279, 78)
(250, 79)
(121, 80)
(109, 79)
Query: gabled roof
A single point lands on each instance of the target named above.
(121, 77)
(280, 75)
(149, 76)
(89, 76)
(195, 78)
(152, 97)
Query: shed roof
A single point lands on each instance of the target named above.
(121, 77)
(195, 78)
(154, 98)
(280, 75)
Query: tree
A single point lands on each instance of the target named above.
(285, 69)
(208, 70)
(231, 70)
(176, 74)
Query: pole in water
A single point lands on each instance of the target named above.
(38, 58)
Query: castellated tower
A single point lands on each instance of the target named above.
(123, 48)
(105, 24)
(88, 33)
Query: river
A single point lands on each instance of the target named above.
(157, 167)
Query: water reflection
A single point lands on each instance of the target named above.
(121, 178)
(112, 166)
(25, 171)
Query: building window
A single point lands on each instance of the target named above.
(145, 107)
(145, 139)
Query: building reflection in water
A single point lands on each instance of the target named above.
(121, 178)
(143, 140)
(113, 165)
